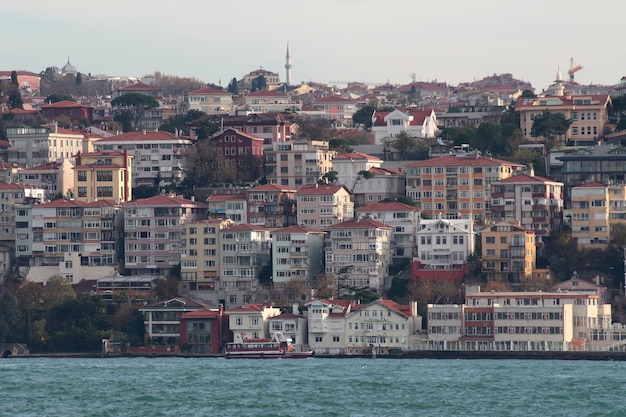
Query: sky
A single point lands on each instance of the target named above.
(331, 41)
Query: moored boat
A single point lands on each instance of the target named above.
(278, 346)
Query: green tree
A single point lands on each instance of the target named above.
(404, 199)
(361, 176)
(363, 116)
(618, 235)
(329, 178)
(233, 87)
(135, 105)
(14, 78)
(314, 128)
(30, 299)
(207, 128)
(15, 99)
(57, 290)
(56, 97)
(489, 138)
(79, 80)
(339, 145)
(258, 83)
(10, 315)
(166, 288)
(550, 126)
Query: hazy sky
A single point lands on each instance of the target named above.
(331, 40)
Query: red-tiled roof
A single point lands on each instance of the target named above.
(384, 171)
(65, 104)
(523, 178)
(469, 159)
(226, 197)
(393, 206)
(63, 202)
(162, 200)
(323, 189)
(285, 316)
(356, 155)
(202, 313)
(245, 227)
(248, 308)
(360, 224)
(271, 187)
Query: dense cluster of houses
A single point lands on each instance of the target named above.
(68, 209)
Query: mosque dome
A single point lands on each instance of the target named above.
(68, 68)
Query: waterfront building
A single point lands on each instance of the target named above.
(162, 319)
(292, 325)
(327, 325)
(323, 205)
(509, 252)
(297, 254)
(251, 321)
(457, 185)
(152, 232)
(518, 321)
(202, 332)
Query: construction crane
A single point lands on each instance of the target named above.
(573, 68)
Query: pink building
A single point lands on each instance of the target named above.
(336, 108)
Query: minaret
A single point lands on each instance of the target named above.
(288, 66)
(560, 88)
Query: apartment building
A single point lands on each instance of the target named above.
(299, 162)
(382, 184)
(263, 101)
(323, 205)
(57, 177)
(156, 155)
(200, 255)
(443, 245)
(509, 252)
(244, 252)
(241, 152)
(535, 201)
(12, 195)
(348, 165)
(518, 321)
(457, 185)
(588, 113)
(152, 232)
(104, 175)
(297, 254)
(271, 205)
(404, 221)
(207, 100)
(228, 206)
(251, 321)
(358, 253)
(336, 108)
(71, 238)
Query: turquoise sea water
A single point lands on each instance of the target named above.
(310, 387)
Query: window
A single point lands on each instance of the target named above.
(82, 175)
(104, 175)
(318, 339)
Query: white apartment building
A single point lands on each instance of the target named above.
(327, 325)
(348, 166)
(251, 321)
(442, 243)
(297, 254)
(323, 205)
(299, 162)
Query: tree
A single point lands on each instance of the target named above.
(404, 199)
(233, 87)
(339, 145)
(259, 83)
(79, 80)
(134, 105)
(56, 97)
(57, 290)
(14, 78)
(166, 288)
(363, 116)
(204, 165)
(489, 138)
(361, 176)
(549, 126)
(314, 128)
(618, 235)
(207, 128)
(329, 178)
(15, 99)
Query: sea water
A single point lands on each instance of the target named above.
(310, 387)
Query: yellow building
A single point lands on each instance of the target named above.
(508, 252)
(103, 176)
(596, 208)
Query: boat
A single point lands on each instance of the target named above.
(278, 346)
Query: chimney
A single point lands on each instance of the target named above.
(294, 309)
(78, 158)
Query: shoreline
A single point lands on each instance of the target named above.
(494, 355)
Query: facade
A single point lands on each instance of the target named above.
(293, 326)
(244, 252)
(118, 288)
(242, 153)
(272, 79)
(537, 202)
(202, 331)
(71, 238)
(54, 177)
(336, 108)
(207, 100)
(228, 206)
(104, 175)
(36, 146)
(69, 109)
(327, 325)
(152, 232)
(509, 252)
(384, 183)
(445, 244)
(518, 321)
(602, 163)
(595, 209)
(272, 127)
(348, 166)
(271, 205)
(162, 319)
(156, 155)
(299, 162)
(323, 205)
(404, 221)
(11, 196)
(263, 101)
(358, 254)
(381, 327)
(297, 254)
(588, 113)
(200, 255)
(417, 123)
(251, 321)
(458, 185)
